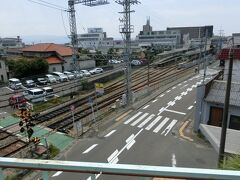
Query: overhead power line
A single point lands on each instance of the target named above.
(48, 5)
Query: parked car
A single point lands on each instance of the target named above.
(60, 76)
(48, 91)
(70, 75)
(14, 83)
(136, 62)
(50, 78)
(86, 73)
(34, 95)
(96, 71)
(30, 84)
(41, 81)
(77, 74)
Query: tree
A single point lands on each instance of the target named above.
(27, 67)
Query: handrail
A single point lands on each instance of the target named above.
(117, 169)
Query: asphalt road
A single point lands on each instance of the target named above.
(148, 136)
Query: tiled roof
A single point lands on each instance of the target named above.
(54, 60)
(218, 90)
(49, 47)
(224, 53)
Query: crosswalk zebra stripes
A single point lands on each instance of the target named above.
(158, 124)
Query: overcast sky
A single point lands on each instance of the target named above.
(25, 18)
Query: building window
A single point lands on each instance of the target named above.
(234, 122)
(0, 65)
(2, 78)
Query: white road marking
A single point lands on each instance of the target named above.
(57, 173)
(146, 121)
(161, 125)
(115, 161)
(146, 106)
(139, 119)
(170, 126)
(132, 118)
(130, 138)
(194, 102)
(178, 98)
(189, 89)
(130, 144)
(110, 133)
(177, 112)
(179, 84)
(184, 81)
(190, 107)
(184, 93)
(194, 86)
(168, 91)
(154, 100)
(161, 110)
(111, 157)
(184, 86)
(174, 161)
(97, 175)
(153, 123)
(174, 87)
(90, 148)
(198, 83)
(162, 95)
(171, 103)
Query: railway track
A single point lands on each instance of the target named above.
(10, 144)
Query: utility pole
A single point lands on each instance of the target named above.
(226, 107)
(126, 29)
(205, 55)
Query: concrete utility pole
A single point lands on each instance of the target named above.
(226, 107)
(127, 29)
(205, 55)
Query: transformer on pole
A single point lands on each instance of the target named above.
(126, 29)
(73, 26)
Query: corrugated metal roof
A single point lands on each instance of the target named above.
(218, 90)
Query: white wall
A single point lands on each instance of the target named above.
(236, 70)
(3, 71)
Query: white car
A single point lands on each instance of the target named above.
(15, 83)
(136, 62)
(85, 73)
(77, 74)
(60, 76)
(96, 71)
(50, 78)
(70, 75)
(48, 91)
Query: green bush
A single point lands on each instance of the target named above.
(53, 150)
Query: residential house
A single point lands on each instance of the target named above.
(59, 57)
(211, 96)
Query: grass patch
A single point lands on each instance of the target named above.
(54, 151)
(232, 162)
(12, 177)
(51, 103)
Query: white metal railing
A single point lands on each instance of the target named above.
(115, 169)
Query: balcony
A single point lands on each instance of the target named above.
(95, 169)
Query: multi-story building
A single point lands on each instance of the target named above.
(166, 39)
(194, 32)
(95, 39)
(11, 43)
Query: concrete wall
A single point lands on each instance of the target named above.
(199, 107)
(55, 67)
(236, 70)
(87, 64)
